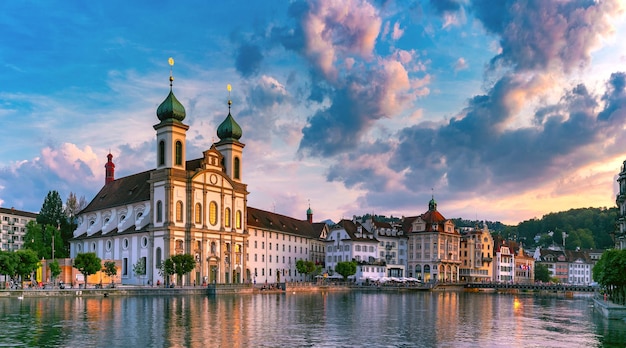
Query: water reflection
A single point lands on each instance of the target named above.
(343, 319)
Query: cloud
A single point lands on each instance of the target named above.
(546, 35)
(248, 59)
(460, 64)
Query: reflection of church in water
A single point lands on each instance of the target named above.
(195, 207)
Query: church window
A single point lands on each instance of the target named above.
(144, 241)
(161, 152)
(227, 217)
(198, 213)
(109, 244)
(159, 211)
(179, 211)
(213, 213)
(158, 257)
(236, 172)
(125, 243)
(238, 219)
(179, 153)
(93, 246)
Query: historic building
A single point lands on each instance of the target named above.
(196, 207)
(433, 249)
(504, 262)
(276, 242)
(476, 254)
(392, 245)
(524, 265)
(347, 241)
(620, 230)
(13, 228)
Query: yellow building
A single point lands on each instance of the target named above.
(476, 254)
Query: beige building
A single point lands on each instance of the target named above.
(476, 254)
(433, 246)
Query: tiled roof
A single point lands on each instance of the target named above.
(13, 211)
(271, 221)
(352, 229)
(130, 189)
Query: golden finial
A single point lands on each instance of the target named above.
(170, 61)
(229, 88)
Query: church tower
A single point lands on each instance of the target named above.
(171, 132)
(229, 146)
(109, 168)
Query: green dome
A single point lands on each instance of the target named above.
(309, 211)
(229, 129)
(171, 108)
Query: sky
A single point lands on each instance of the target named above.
(502, 110)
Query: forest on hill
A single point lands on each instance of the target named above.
(584, 228)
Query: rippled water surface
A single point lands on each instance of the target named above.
(332, 319)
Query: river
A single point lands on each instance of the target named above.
(328, 319)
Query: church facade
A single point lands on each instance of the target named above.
(195, 207)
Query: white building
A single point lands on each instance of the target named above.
(13, 228)
(276, 242)
(347, 241)
(392, 246)
(504, 263)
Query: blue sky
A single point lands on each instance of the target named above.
(505, 110)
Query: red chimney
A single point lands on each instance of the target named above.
(109, 170)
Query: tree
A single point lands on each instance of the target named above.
(346, 268)
(306, 267)
(87, 264)
(55, 270)
(166, 269)
(542, 273)
(52, 216)
(27, 263)
(139, 268)
(609, 273)
(8, 263)
(110, 269)
(40, 239)
(183, 264)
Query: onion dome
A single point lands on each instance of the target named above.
(432, 205)
(309, 211)
(171, 108)
(229, 129)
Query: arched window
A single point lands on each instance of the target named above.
(161, 152)
(159, 211)
(179, 211)
(236, 174)
(238, 219)
(213, 213)
(179, 153)
(227, 217)
(198, 213)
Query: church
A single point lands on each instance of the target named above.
(195, 207)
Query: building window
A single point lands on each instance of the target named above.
(198, 213)
(124, 266)
(93, 246)
(161, 152)
(109, 245)
(158, 257)
(144, 241)
(213, 213)
(179, 153)
(179, 211)
(238, 219)
(125, 243)
(159, 211)
(227, 217)
(237, 168)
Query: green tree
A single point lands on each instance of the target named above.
(110, 269)
(183, 264)
(346, 268)
(139, 268)
(40, 240)
(609, 273)
(542, 273)
(27, 263)
(55, 270)
(87, 264)
(8, 263)
(166, 270)
(306, 267)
